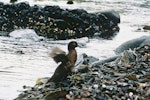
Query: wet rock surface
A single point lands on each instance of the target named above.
(146, 27)
(134, 43)
(57, 23)
(126, 78)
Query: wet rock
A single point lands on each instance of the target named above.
(107, 60)
(126, 48)
(89, 59)
(13, 1)
(57, 23)
(112, 15)
(146, 27)
(19, 52)
(69, 2)
(126, 57)
(4, 33)
(131, 44)
(108, 81)
(56, 95)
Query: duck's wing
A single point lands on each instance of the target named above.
(58, 55)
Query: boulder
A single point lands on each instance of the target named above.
(13, 1)
(131, 44)
(122, 49)
(112, 15)
(57, 23)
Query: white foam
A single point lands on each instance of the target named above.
(28, 34)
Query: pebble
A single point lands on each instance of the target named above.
(111, 83)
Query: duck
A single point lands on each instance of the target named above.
(67, 62)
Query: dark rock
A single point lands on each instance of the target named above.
(22, 6)
(1, 4)
(13, 1)
(57, 23)
(34, 8)
(112, 15)
(79, 11)
(109, 81)
(4, 33)
(70, 2)
(61, 24)
(89, 59)
(146, 27)
(3, 20)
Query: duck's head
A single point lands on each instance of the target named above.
(72, 45)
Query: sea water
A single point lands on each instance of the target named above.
(24, 59)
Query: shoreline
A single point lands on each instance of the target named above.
(125, 78)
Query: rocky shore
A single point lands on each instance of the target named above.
(125, 78)
(57, 23)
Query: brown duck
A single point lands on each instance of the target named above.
(67, 62)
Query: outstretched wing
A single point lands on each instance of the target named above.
(58, 55)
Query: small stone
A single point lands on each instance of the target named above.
(95, 86)
(132, 77)
(70, 2)
(24, 87)
(111, 82)
(77, 77)
(130, 94)
(104, 86)
(68, 97)
(85, 88)
(88, 94)
(79, 97)
(129, 66)
(70, 92)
